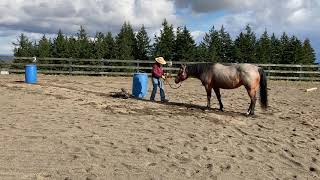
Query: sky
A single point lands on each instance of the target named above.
(38, 17)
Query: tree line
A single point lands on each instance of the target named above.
(216, 46)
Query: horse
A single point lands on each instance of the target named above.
(217, 76)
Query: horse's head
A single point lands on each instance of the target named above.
(182, 74)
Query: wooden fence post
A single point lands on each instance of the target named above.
(70, 66)
(269, 68)
(138, 70)
(300, 74)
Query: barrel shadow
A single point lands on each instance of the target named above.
(19, 82)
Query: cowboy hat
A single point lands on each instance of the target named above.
(160, 60)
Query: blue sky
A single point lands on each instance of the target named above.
(38, 17)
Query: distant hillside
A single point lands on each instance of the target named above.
(6, 57)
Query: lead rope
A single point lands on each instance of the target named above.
(166, 81)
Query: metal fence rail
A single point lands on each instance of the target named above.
(74, 66)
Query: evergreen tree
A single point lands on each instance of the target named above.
(84, 48)
(275, 50)
(264, 48)
(224, 50)
(71, 47)
(309, 56)
(44, 49)
(184, 45)
(125, 42)
(286, 53)
(245, 46)
(59, 46)
(238, 50)
(295, 47)
(216, 46)
(100, 46)
(23, 47)
(110, 46)
(201, 52)
(165, 43)
(34, 49)
(143, 44)
(210, 46)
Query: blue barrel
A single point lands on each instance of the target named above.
(140, 85)
(31, 73)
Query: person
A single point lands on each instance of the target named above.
(157, 75)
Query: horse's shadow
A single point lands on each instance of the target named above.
(196, 107)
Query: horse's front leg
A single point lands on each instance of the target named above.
(208, 89)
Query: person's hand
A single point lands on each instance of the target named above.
(163, 77)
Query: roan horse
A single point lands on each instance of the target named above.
(216, 76)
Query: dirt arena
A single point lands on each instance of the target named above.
(68, 127)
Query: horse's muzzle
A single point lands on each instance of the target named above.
(176, 80)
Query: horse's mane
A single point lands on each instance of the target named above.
(198, 69)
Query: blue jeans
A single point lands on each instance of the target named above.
(157, 82)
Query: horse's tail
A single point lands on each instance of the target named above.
(263, 89)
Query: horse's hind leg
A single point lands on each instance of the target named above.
(252, 94)
(208, 89)
(217, 91)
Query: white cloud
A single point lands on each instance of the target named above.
(44, 16)
(298, 17)
(293, 16)
(37, 17)
(204, 6)
(197, 35)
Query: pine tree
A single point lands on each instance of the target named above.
(23, 47)
(59, 45)
(71, 47)
(83, 48)
(264, 48)
(143, 44)
(184, 45)
(211, 44)
(34, 49)
(309, 56)
(165, 43)
(275, 50)
(125, 42)
(296, 50)
(201, 52)
(246, 46)
(238, 50)
(99, 46)
(110, 46)
(224, 50)
(286, 53)
(44, 49)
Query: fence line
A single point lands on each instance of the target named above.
(75, 66)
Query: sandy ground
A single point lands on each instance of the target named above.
(67, 127)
